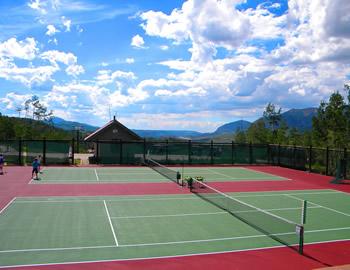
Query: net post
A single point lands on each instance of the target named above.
(301, 228)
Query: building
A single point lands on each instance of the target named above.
(113, 130)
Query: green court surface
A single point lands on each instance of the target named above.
(46, 230)
(145, 174)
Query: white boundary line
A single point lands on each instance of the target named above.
(20, 200)
(167, 257)
(173, 242)
(110, 223)
(330, 209)
(257, 171)
(96, 175)
(7, 205)
(210, 213)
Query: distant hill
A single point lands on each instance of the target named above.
(300, 119)
(70, 125)
(232, 127)
(166, 133)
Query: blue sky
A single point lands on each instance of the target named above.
(193, 65)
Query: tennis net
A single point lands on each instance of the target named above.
(161, 169)
(278, 228)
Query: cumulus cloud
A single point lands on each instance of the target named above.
(137, 42)
(24, 49)
(130, 60)
(105, 77)
(67, 23)
(69, 59)
(26, 72)
(51, 30)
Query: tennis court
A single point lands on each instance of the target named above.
(147, 175)
(41, 230)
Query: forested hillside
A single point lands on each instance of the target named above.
(13, 128)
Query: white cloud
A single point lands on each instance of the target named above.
(69, 59)
(105, 77)
(25, 49)
(130, 60)
(67, 23)
(13, 100)
(51, 30)
(164, 47)
(137, 42)
(38, 5)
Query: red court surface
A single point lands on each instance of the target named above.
(15, 184)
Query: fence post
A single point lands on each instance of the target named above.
(72, 157)
(327, 160)
(310, 158)
(211, 152)
(166, 151)
(189, 152)
(120, 152)
(232, 153)
(44, 151)
(144, 149)
(20, 151)
(279, 155)
(346, 162)
(294, 158)
(250, 153)
(97, 153)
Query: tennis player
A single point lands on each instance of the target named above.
(35, 166)
(2, 161)
(39, 167)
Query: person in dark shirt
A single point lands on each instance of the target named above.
(2, 162)
(35, 166)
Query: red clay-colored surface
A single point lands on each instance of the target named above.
(15, 183)
(320, 255)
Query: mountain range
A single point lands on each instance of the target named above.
(301, 119)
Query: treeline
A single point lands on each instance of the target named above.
(330, 127)
(14, 128)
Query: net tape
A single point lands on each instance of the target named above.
(161, 169)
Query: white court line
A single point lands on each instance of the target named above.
(211, 213)
(96, 175)
(164, 257)
(330, 209)
(256, 171)
(110, 223)
(210, 170)
(174, 215)
(7, 205)
(181, 242)
(19, 200)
